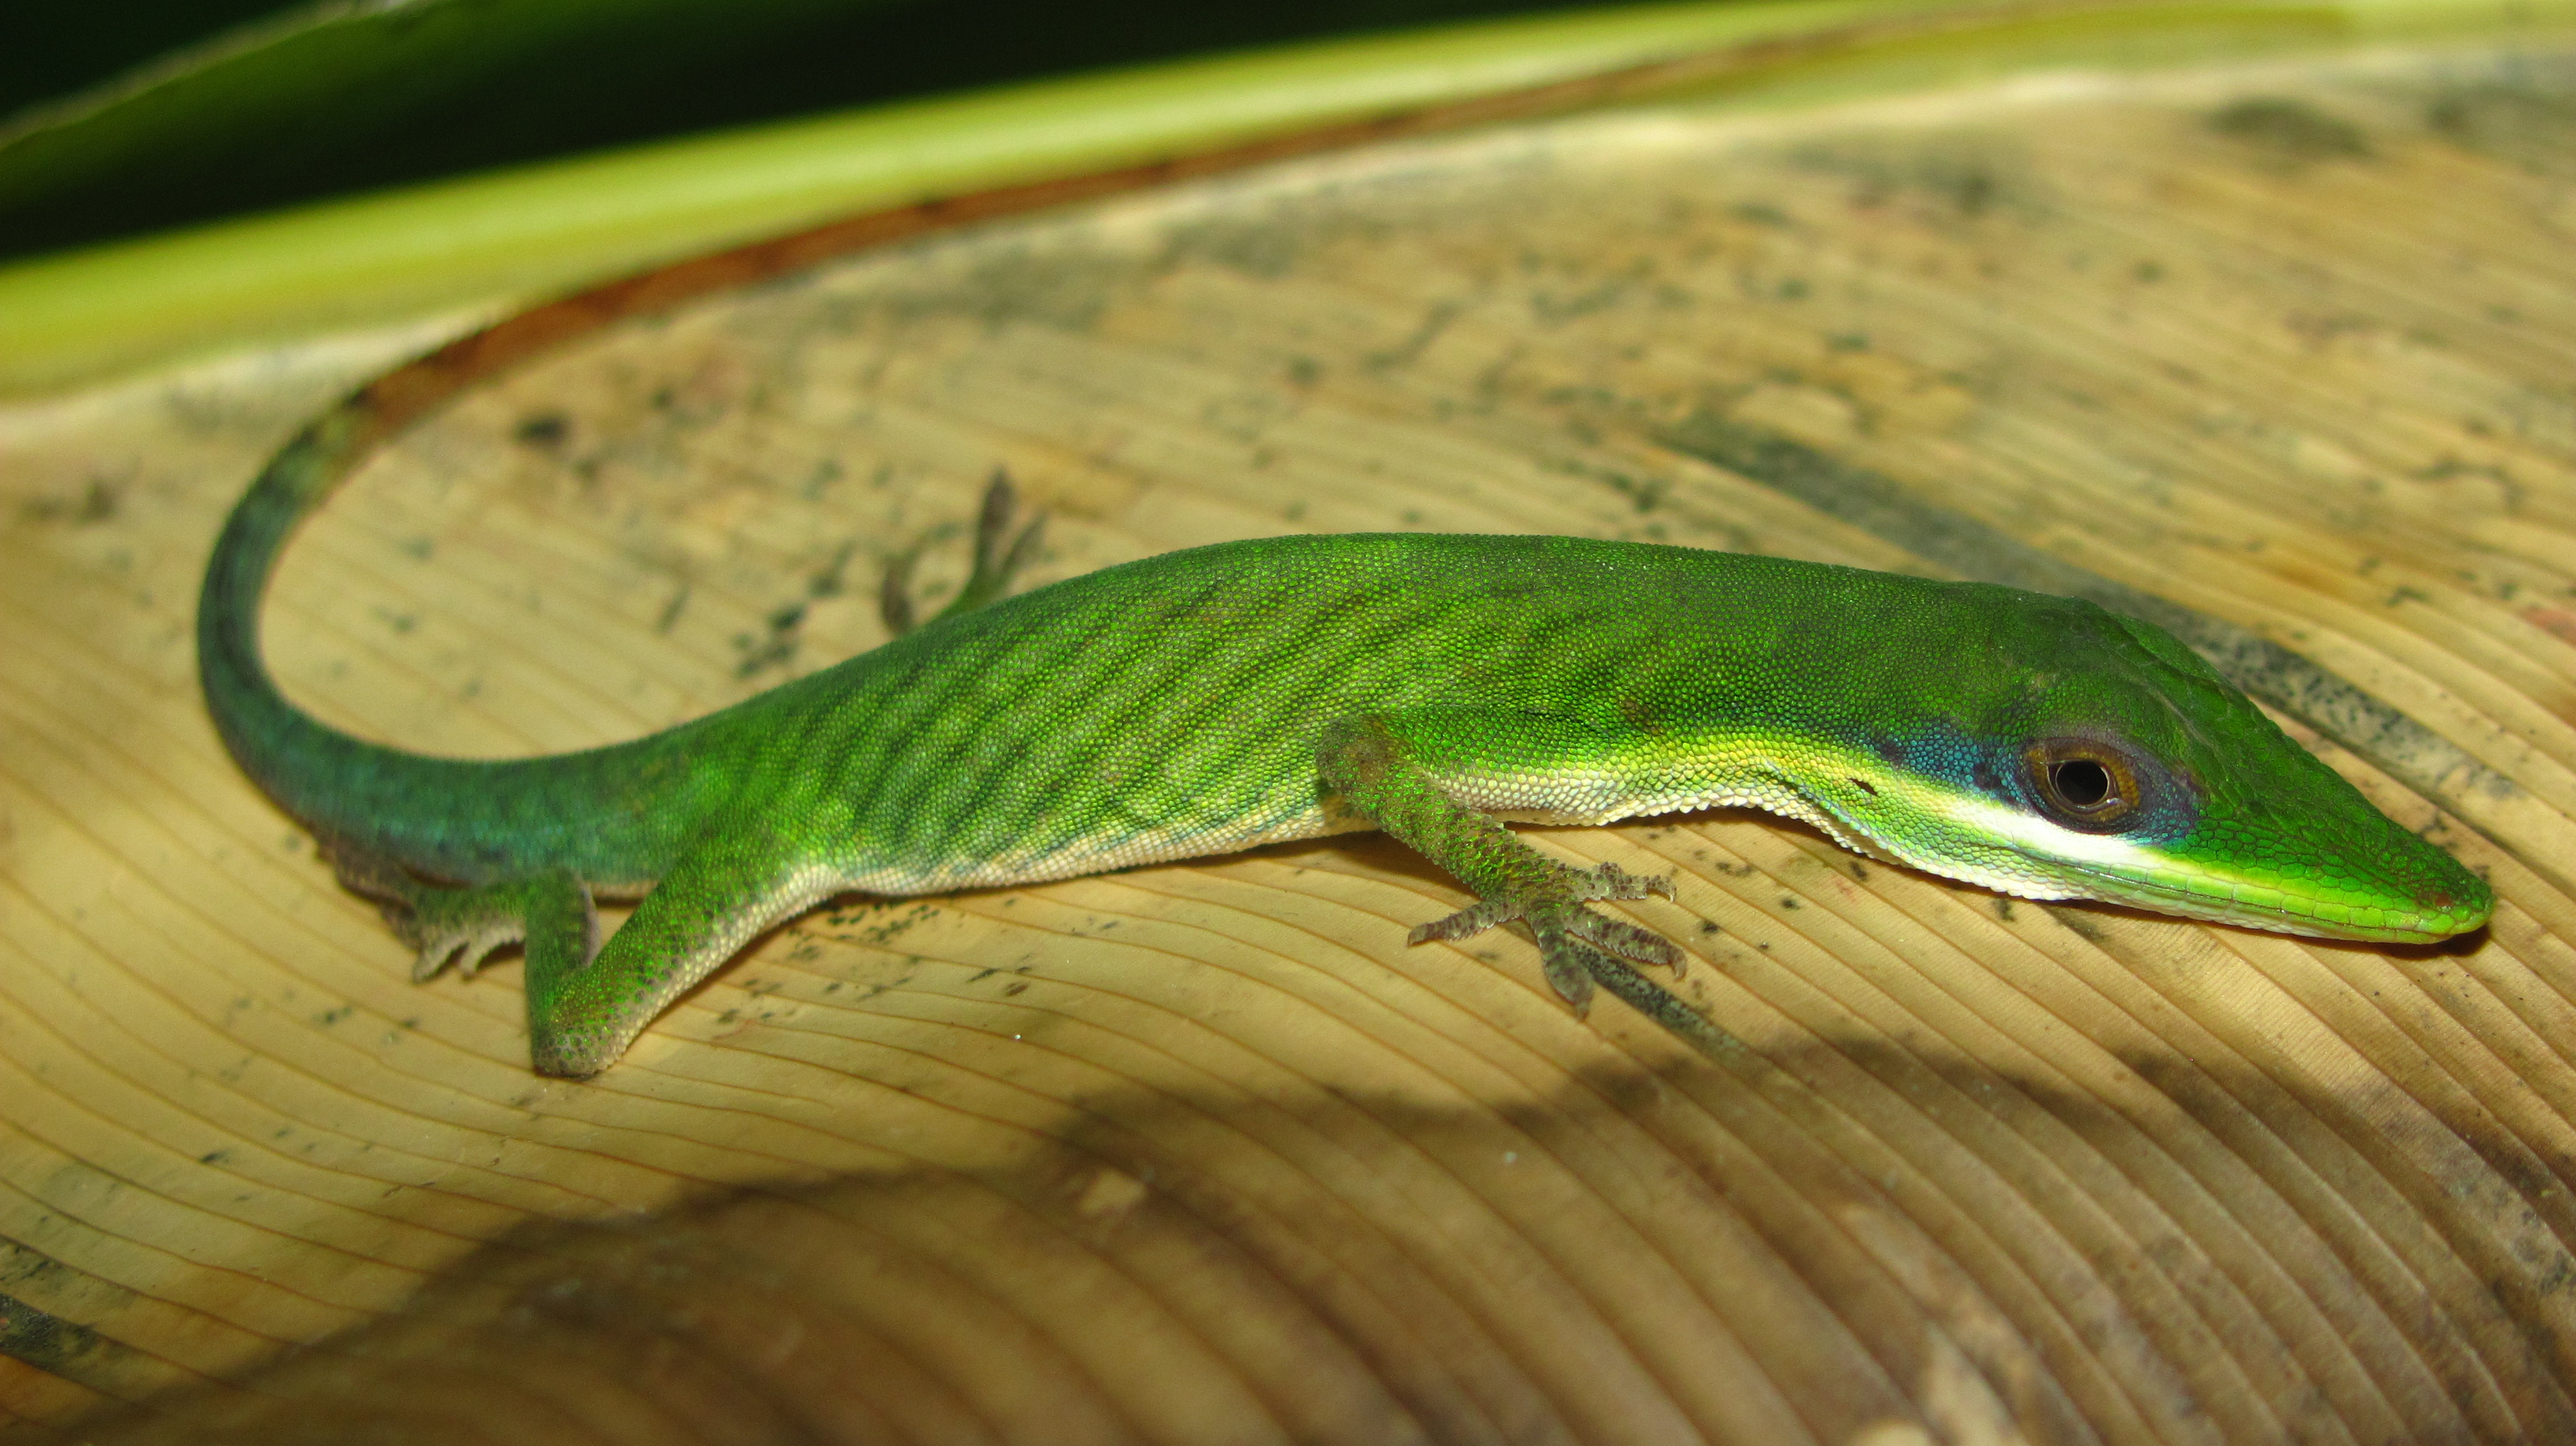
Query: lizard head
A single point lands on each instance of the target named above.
(2114, 763)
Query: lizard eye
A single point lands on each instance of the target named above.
(2083, 784)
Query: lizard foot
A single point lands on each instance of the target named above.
(444, 933)
(464, 926)
(998, 558)
(1572, 939)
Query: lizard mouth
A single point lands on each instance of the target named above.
(2400, 925)
(2056, 875)
(2060, 871)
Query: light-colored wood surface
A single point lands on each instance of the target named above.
(1205, 1153)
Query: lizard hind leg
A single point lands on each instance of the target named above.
(589, 998)
(464, 926)
(1365, 762)
(551, 913)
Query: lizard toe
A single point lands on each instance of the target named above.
(1617, 936)
(1569, 965)
(1609, 881)
(1476, 918)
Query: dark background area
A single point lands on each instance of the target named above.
(681, 68)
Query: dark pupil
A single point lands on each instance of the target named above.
(2082, 782)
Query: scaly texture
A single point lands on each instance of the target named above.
(1209, 700)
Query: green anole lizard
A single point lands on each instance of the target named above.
(1205, 701)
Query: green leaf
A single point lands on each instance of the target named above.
(479, 244)
(344, 92)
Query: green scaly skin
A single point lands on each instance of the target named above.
(1206, 701)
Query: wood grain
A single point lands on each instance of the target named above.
(1205, 1153)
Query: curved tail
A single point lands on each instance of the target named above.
(613, 815)
(291, 754)
(459, 819)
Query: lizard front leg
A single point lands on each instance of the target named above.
(1371, 765)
